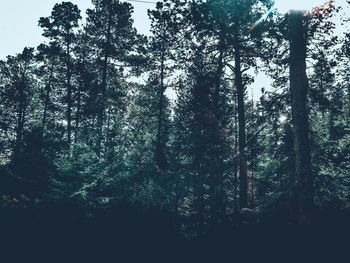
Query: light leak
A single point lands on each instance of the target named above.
(284, 6)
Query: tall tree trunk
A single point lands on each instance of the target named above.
(252, 189)
(69, 96)
(216, 180)
(77, 116)
(201, 105)
(47, 100)
(103, 86)
(101, 104)
(160, 154)
(218, 75)
(19, 128)
(235, 160)
(243, 174)
(200, 172)
(20, 116)
(299, 89)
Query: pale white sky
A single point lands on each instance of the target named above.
(19, 21)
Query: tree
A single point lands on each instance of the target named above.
(18, 83)
(238, 48)
(161, 41)
(48, 61)
(112, 36)
(59, 28)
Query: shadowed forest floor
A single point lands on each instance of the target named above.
(122, 234)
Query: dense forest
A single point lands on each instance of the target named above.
(103, 127)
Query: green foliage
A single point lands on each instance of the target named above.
(87, 117)
(79, 174)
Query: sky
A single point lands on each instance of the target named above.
(19, 21)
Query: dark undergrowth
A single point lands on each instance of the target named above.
(69, 233)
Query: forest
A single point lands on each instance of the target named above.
(115, 135)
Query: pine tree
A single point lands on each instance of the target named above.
(161, 42)
(59, 28)
(18, 87)
(112, 36)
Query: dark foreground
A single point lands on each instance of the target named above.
(71, 234)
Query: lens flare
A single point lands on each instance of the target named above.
(284, 6)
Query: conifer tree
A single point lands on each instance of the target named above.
(59, 28)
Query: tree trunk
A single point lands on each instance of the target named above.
(299, 88)
(47, 100)
(20, 116)
(69, 96)
(235, 161)
(218, 74)
(160, 154)
(217, 174)
(77, 116)
(243, 174)
(20, 126)
(103, 87)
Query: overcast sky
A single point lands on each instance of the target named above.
(19, 21)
